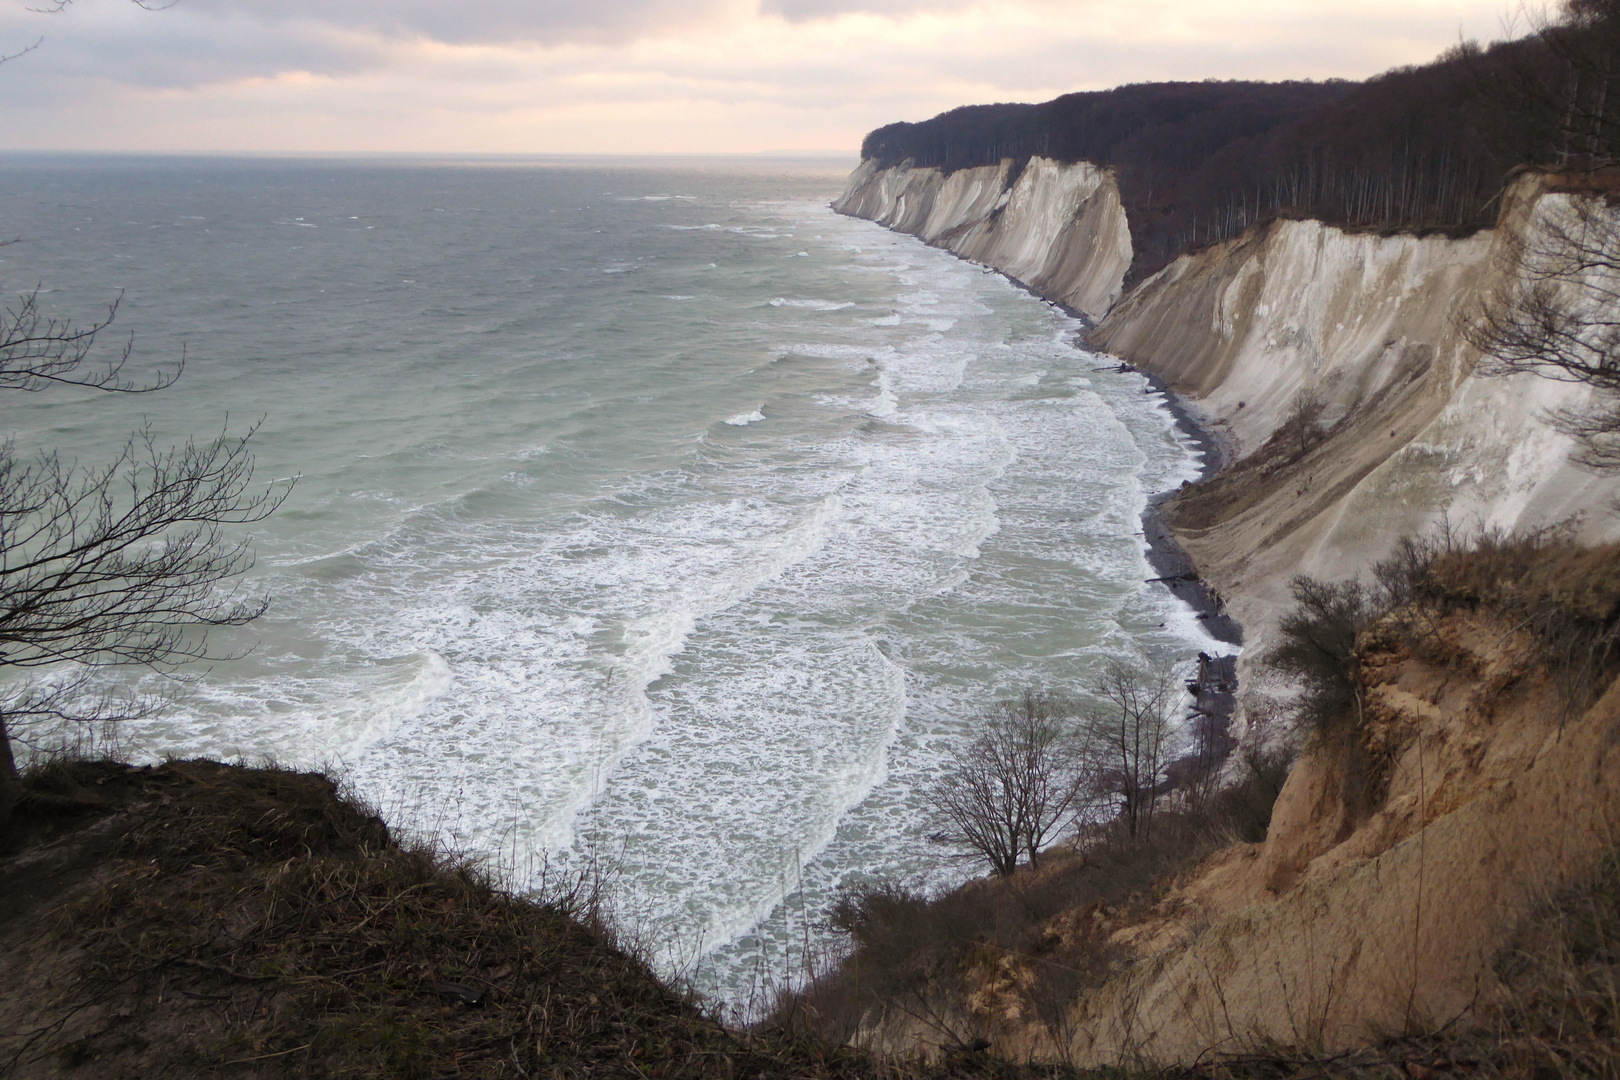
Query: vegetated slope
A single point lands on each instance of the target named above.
(197, 919)
(1402, 888)
(1473, 778)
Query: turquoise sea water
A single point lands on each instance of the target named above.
(647, 514)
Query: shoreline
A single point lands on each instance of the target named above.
(1215, 688)
(1175, 569)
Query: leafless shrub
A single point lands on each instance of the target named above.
(1565, 596)
(1243, 808)
(1304, 420)
(1016, 786)
(129, 563)
(1126, 733)
(1316, 647)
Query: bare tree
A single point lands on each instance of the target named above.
(1557, 314)
(1304, 421)
(1127, 732)
(1016, 786)
(1554, 96)
(128, 563)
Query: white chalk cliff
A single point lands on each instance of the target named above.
(1361, 323)
(1346, 924)
(1366, 326)
(1059, 229)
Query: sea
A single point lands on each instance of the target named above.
(647, 523)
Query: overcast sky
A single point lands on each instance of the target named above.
(641, 76)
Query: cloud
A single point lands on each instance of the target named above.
(638, 75)
(805, 10)
(485, 21)
(174, 48)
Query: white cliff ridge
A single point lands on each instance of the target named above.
(1059, 229)
(1410, 432)
(1352, 336)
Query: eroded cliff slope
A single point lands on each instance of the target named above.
(1466, 777)
(1387, 887)
(1329, 362)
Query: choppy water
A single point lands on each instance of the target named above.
(650, 514)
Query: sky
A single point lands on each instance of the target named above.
(640, 76)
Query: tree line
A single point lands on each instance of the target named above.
(1416, 148)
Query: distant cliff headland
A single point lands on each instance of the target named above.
(1417, 148)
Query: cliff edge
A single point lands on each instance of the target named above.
(1388, 887)
(1335, 367)
(1327, 362)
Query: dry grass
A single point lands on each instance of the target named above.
(1554, 1015)
(1564, 596)
(950, 963)
(196, 919)
(201, 920)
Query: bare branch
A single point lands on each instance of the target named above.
(37, 351)
(129, 563)
(1128, 734)
(1017, 786)
(56, 7)
(1555, 316)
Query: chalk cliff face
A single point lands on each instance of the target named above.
(1329, 362)
(1297, 324)
(1352, 411)
(1406, 433)
(1059, 229)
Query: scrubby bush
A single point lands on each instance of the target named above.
(1316, 647)
(1565, 596)
(931, 958)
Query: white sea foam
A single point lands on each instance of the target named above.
(812, 305)
(733, 664)
(832, 351)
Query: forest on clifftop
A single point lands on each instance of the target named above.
(1416, 148)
